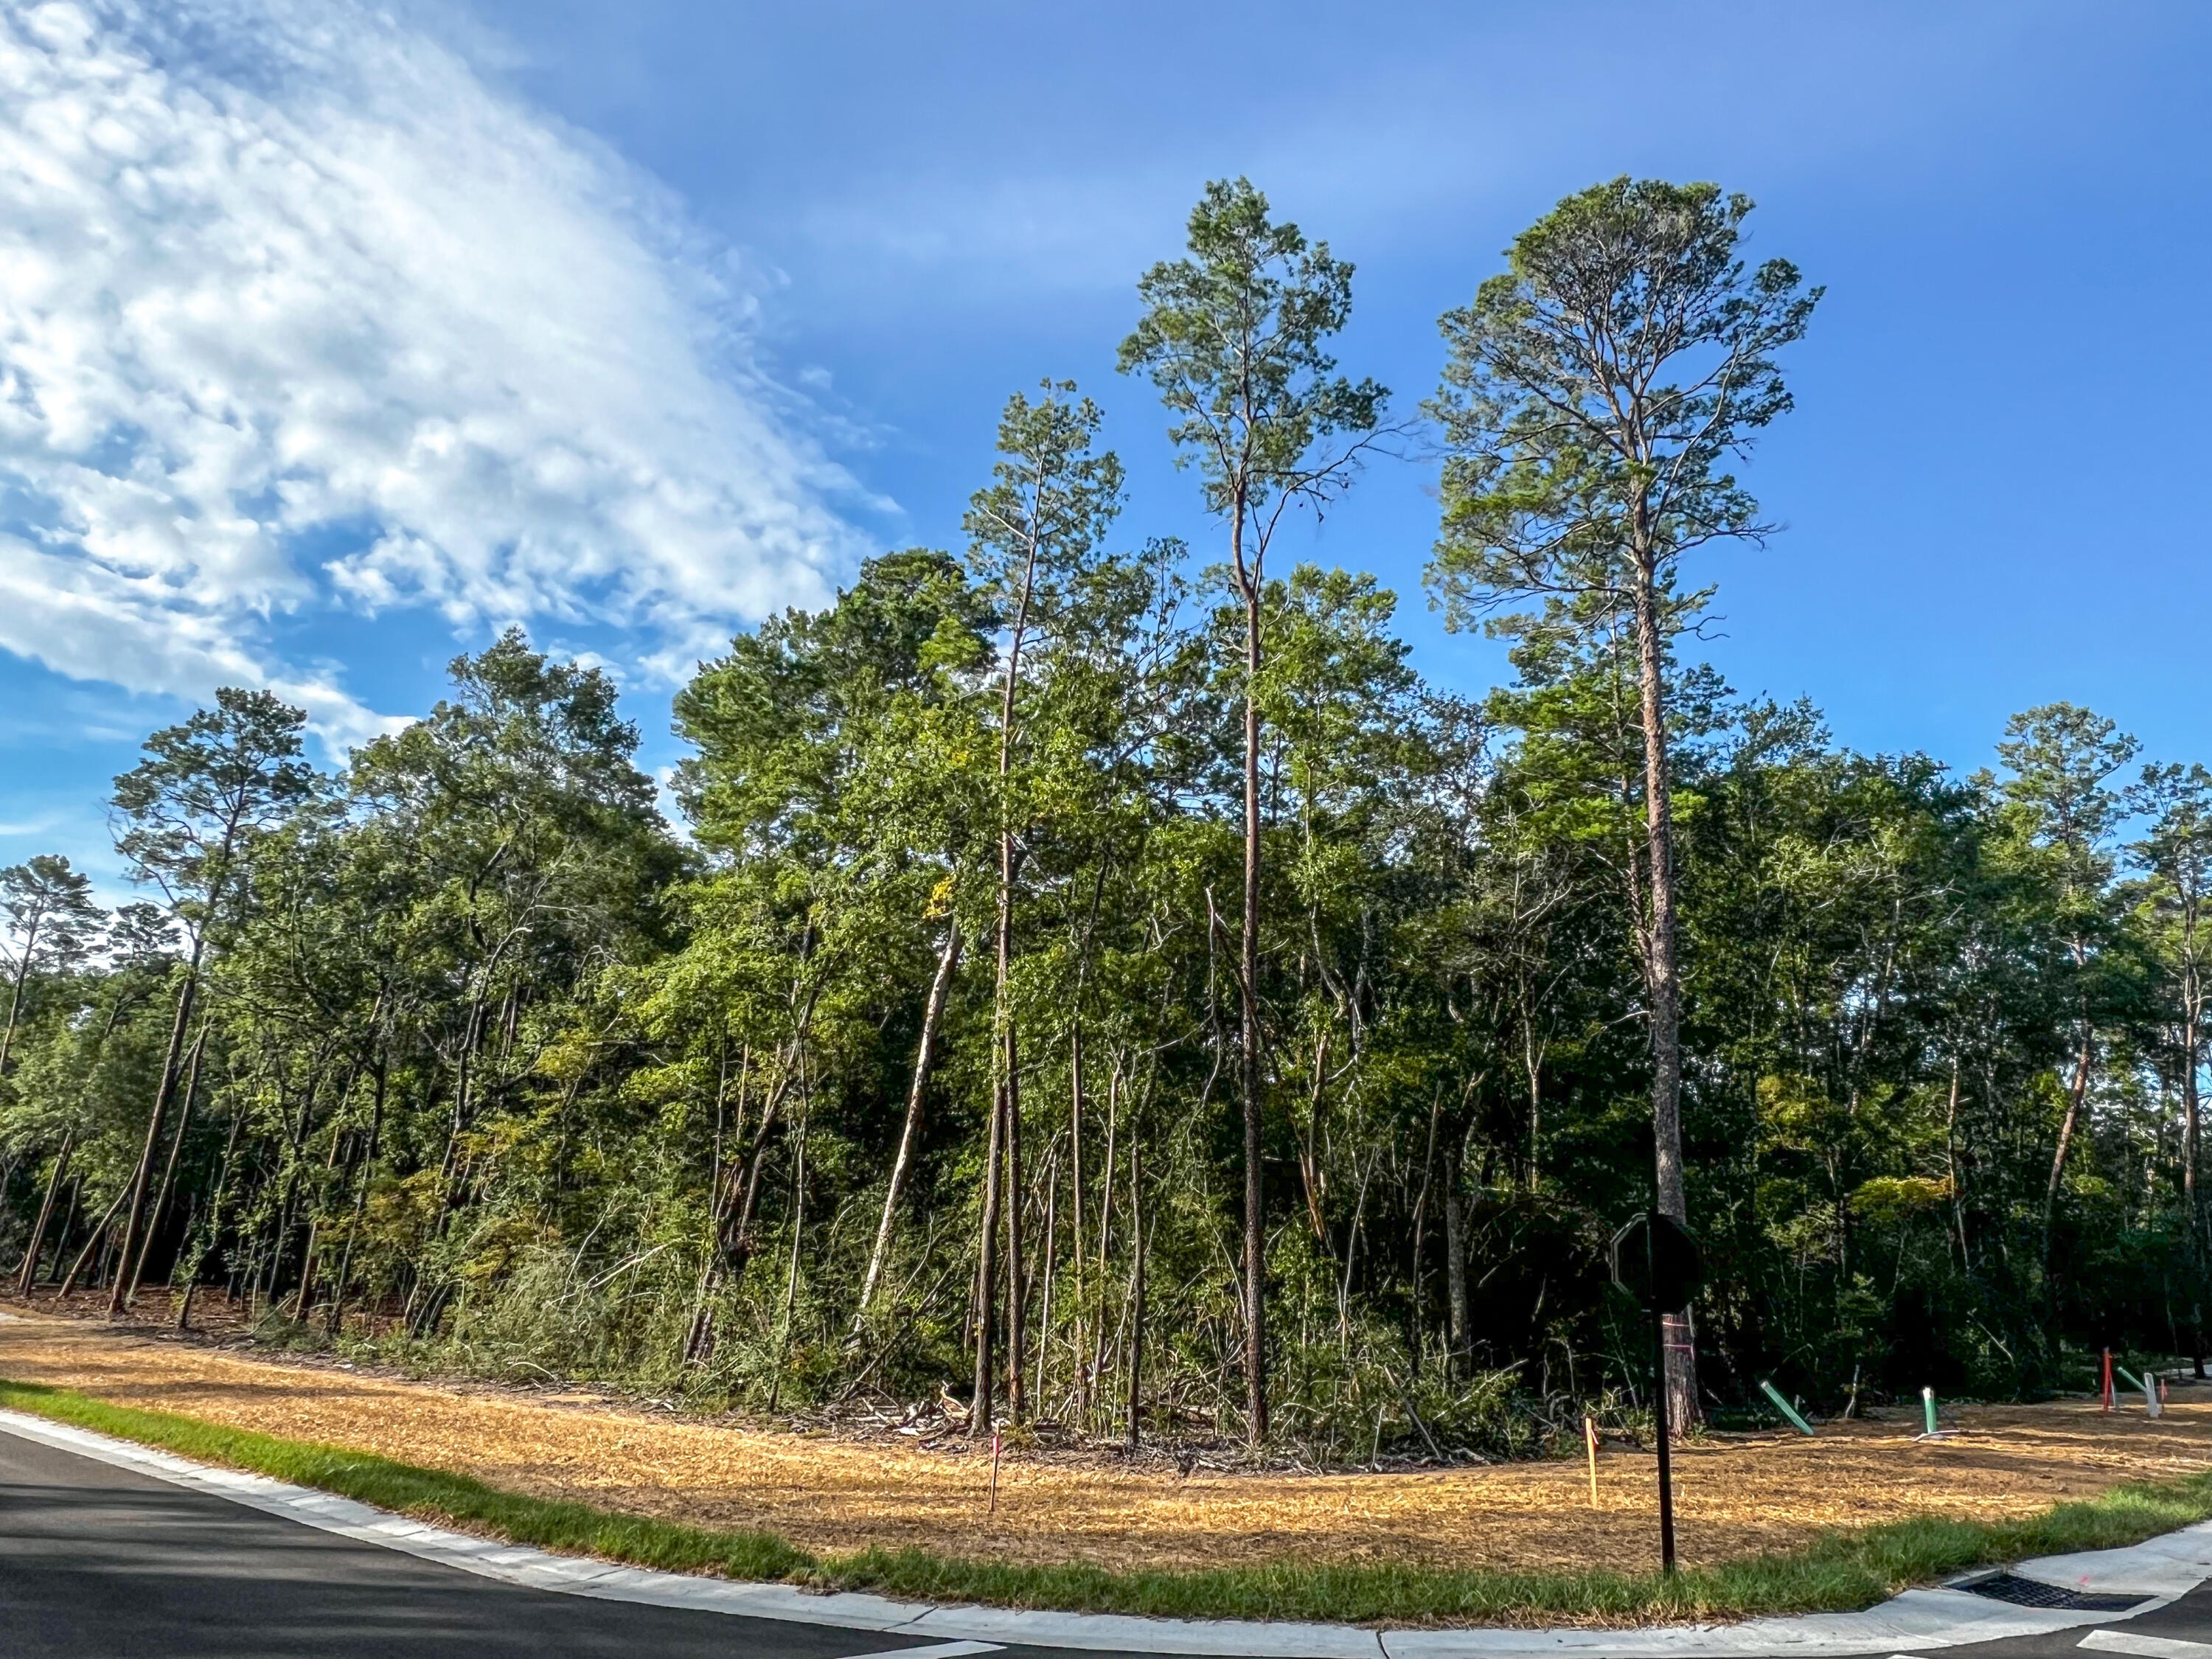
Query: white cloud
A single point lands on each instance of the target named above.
(297, 313)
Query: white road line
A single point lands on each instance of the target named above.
(935, 1651)
(2148, 1647)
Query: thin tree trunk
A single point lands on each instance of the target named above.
(134, 1192)
(1950, 1168)
(1076, 1261)
(289, 1197)
(1310, 1174)
(2190, 1120)
(725, 1178)
(1255, 1261)
(948, 961)
(1007, 1102)
(1662, 972)
(736, 1240)
(169, 1164)
(1533, 1065)
(15, 996)
(310, 1257)
(214, 1221)
(1017, 1404)
(98, 1235)
(71, 1210)
(28, 1275)
(1136, 1292)
(986, 1272)
(335, 1322)
(1051, 1246)
(791, 1279)
(2075, 1094)
(1455, 1302)
(1105, 1233)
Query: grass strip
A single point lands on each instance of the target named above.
(432, 1495)
(1841, 1570)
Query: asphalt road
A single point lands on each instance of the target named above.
(102, 1563)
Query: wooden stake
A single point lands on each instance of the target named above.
(998, 1441)
(1589, 1445)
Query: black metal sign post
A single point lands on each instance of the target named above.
(1664, 1275)
(1659, 1400)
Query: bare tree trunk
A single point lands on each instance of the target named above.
(948, 961)
(71, 1210)
(15, 996)
(92, 1242)
(1456, 1300)
(169, 1164)
(791, 1279)
(335, 1322)
(724, 1179)
(1045, 1270)
(1007, 1096)
(134, 1192)
(1663, 970)
(2075, 1095)
(987, 1271)
(1136, 1292)
(1420, 1226)
(1075, 1211)
(1532, 1065)
(215, 1206)
(29, 1273)
(1016, 1403)
(311, 1257)
(736, 1240)
(2190, 1120)
(1256, 1240)
(1951, 1169)
(1105, 1233)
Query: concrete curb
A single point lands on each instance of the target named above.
(1919, 1619)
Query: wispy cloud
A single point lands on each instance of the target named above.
(296, 311)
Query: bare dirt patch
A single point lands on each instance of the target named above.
(1738, 1494)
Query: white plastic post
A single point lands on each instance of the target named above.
(2150, 1393)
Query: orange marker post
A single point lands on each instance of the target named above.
(2107, 1389)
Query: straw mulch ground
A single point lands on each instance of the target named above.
(1738, 1494)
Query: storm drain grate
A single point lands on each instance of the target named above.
(2028, 1593)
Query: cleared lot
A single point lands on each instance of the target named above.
(1738, 1494)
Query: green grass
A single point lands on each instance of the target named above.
(433, 1495)
(1841, 1570)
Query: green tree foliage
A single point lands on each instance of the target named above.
(1234, 336)
(1593, 396)
(53, 924)
(460, 1054)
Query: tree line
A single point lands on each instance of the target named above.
(1101, 983)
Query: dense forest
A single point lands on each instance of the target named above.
(1098, 983)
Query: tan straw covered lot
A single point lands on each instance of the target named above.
(1738, 1494)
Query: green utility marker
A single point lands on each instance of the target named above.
(1784, 1406)
(2150, 1390)
(1927, 1408)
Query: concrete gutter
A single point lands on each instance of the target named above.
(1918, 1621)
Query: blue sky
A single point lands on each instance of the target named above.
(331, 340)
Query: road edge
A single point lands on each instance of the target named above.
(2158, 1569)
